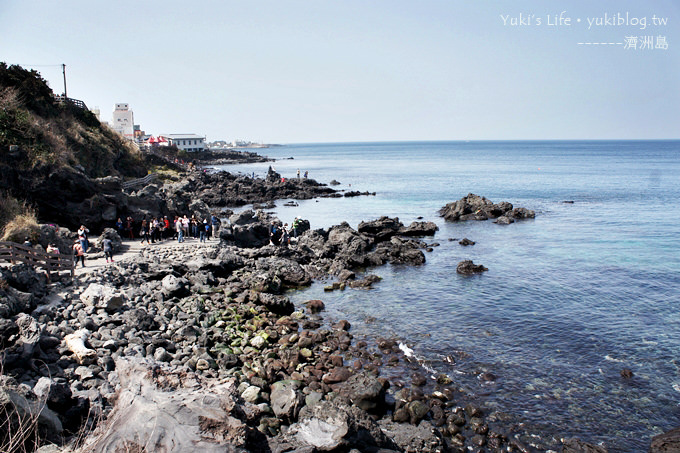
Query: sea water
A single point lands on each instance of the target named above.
(588, 288)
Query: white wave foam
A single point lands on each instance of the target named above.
(612, 359)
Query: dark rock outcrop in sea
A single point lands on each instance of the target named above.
(474, 207)
(467, 267)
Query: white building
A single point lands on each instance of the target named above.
(123, 122)
(186, 142)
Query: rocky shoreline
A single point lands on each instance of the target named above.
(185, 348)
(113, 345)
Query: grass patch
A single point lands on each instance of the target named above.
(18, 220)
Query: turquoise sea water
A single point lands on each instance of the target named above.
(570, 299)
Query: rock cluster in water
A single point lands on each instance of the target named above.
(474, 207)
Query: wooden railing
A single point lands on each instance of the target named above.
(138, 182)
(18, 253)
(61, 99)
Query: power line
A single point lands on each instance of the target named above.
(38, 65)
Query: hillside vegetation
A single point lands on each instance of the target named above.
(51, 133)
(51, 151)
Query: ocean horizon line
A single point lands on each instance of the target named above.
(594, 140)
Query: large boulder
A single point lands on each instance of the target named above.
(578, 446)
(110, 233)
(364, 390)
(24, 417)
(286, 399)
(419, 229)
(467, 267)
(381, 229)
(289, 272)
(333, 426)
(172, 286)
(474, 207)
(102, 296)
(668, 442)
(172, 412)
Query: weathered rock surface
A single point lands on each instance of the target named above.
(474, 207)
(467, 267)
(169, 411)
(668, 442)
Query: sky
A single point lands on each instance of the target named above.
(284, 71)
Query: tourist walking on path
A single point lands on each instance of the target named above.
(129, 226)
(180, 230)
(144, 232)
(82, 237)
(185, 226)
(107, 245)
(78, 253)
(119, 227)
(166, 228)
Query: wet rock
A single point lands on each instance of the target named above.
(417, 411)
(665, 443)
(419, 229)
(381, 229)
(578, 446)
(343, 324)
(421, 438)
(467, 267)
(364, 390)
(466, 242)
(338, 374)
(474, 207)
(626, 373)
(332, 425)
(315, 305)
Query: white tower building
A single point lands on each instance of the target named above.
(123, 122)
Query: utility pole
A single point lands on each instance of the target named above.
(63, 68)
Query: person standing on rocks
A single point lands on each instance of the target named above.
(78, 253)
(296, 224)
(180, 230)
(107, 245)
(274, 234)
(298, 173)
(204, 230)
(215, 226)
(285, 236)
(82, 237)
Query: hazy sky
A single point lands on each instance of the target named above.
(285, 71)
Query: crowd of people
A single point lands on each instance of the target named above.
(281, 234)
(159, 229)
